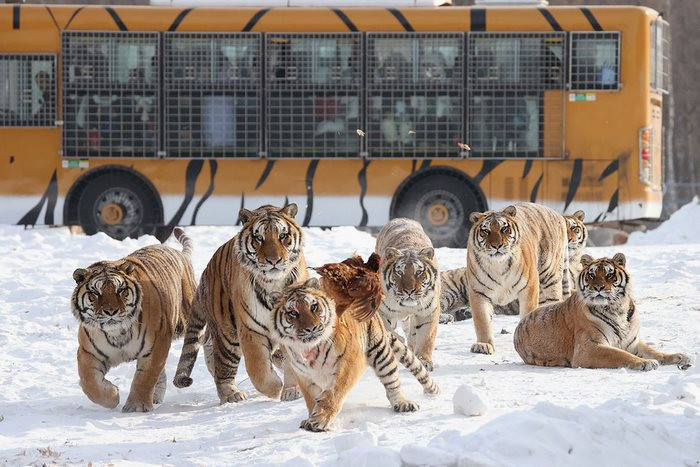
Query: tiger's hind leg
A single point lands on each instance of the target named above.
(414, 365)
(195, 334)
(223, 355)
(645, 351)
(159, 390)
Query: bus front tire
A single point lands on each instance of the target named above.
(441, 199)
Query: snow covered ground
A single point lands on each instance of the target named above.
(534, 416)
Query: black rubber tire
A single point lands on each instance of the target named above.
(144, 212)
(445, 186)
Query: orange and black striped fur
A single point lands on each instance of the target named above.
(329, 349)
(597, 327)
(518, 253)
(232, 309)
(131, 309)
(411, 284)
(577, 235)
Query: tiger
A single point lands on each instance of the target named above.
(329, 353)
(131, 309)
(596, 327)
(411, 284)
(231, 310)
(454, 300)
(519, 253)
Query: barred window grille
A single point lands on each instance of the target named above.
(660, 50)
(595, 61)
(212, 94)
(415, 94)
(111, 94)
(313, 94)
(27, 90)
(515, 102)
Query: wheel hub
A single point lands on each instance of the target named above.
(118, 212)
(442, 213)
(112, 213)
(438, 214)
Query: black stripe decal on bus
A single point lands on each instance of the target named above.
(477, 18)
(194, 168)
(536, 189)
(550, 19)
(402, 19)
(425, 164)
(362, 179)
(488, 166)
(53, 18)
(178, 20)
(612, 205)
(344, 18)
(15, 17)
(574, 182)
(310, 173)
(266, 172)
(591, 19)
(527, 168)
(213, 166)
(609, 170)
(254, 20)
(72, 17)
(50, 196)
(117, 20)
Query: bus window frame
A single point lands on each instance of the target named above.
(618, 66)
(53, 58)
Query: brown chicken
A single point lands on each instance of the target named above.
(353, 284)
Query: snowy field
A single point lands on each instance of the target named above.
(535, 416)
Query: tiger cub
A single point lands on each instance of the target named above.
(329, 352)
(232, 308)
(577, 235)
(518, 253)
(597, 327)
(411, 285)
(131, 309)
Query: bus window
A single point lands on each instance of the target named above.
(314, 84)
(660, 49)
(415, 94)
(27, 90)
(212, 97)
(595, 60)
(110, 94)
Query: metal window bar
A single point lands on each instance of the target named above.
(594, 61)
(313, 89)
(660, 59)
(212, 94)
(415, 95)
(27, 90)
(111, 94)
(516, 95)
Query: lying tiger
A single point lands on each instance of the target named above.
(597, 327)
(328, 348)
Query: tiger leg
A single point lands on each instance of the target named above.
(92, 379)
(604, 356)
(645, 351)
(161, 386)
(424, 328)
(223, 355)
(382, 359)
(257, 351)
(529, 299)
(148, 370)
(194, 336)
(290, 391)
(414, 365)
(482, 311)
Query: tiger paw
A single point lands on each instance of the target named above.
(136, 406)
(108, 397)
(426, 363)
(316, 424)
(682, 361)
(290, 393)
(446, 318)
(405, 406)
(232, 395)
(432, 388)
(483, 347)
(181, 381)
(646, 364)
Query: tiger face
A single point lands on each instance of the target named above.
(409, 276)
(304, 315)
(106, 297)
(576, 231)
(271, 241)
(604, 281)
(495, 233)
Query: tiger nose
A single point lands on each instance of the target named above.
(409, 291)
(273, 260)
(110, 312)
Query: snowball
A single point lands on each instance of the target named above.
(354, 440)
(469, 401)
(417, 455)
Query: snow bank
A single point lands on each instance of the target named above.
(682, 227)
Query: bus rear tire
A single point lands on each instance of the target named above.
(441, 199)
(120, 203)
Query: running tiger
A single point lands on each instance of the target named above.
(232, 309)
(131, 309)
(411, 285)
(329, 347)
(597, 327)
(518, 253)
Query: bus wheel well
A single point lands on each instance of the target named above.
(441, 199)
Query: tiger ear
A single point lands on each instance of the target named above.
(509, 211)
(427, 253)
(244, 215)
(476, 217)
(586, 260)
(79, 275)
(579, 215)
(291, 210)
(127, 267)
(391, 253)
(619, 259)
(312, 283)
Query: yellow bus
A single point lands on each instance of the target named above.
(132, 120)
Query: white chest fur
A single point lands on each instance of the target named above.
(317, 364)
(122, 345)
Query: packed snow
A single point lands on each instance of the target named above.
(535, 416)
